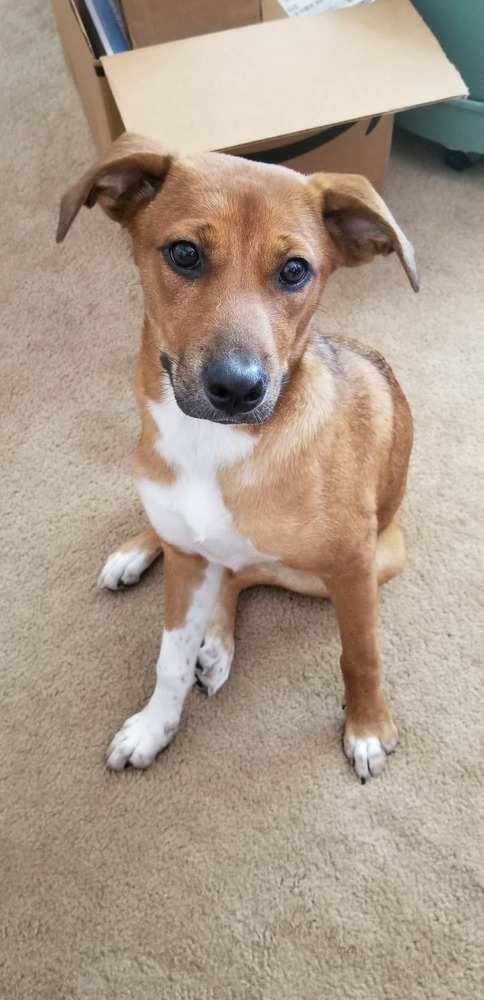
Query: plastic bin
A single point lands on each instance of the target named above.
(457, 125)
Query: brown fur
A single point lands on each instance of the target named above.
(321, 491)
(185, 573)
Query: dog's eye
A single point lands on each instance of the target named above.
(185, 255)
(294, 272)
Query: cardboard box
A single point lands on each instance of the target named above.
(97, 100)
(149, 22)
(316, 93)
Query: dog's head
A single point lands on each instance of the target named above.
(233, 258)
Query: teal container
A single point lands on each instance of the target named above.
(457, 125)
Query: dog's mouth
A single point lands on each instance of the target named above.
(202, 410)
(224, 393)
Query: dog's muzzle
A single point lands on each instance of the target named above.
(230, 388)
(234, 384)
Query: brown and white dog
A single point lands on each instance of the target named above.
(269, 453)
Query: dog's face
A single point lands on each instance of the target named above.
(233, 258)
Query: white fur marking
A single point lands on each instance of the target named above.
(123, 568)
(149, 731)
(367, 756)
(214, 663)
(197, 446)
(190, 513)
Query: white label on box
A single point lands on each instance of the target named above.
(297, 8)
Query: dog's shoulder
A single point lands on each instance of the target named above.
(339, 351)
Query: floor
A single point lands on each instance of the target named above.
(249, 863)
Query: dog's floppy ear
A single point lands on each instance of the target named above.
(123, 179)
(359, 223)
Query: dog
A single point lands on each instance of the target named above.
(269, 453)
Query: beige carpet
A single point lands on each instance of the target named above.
(249, 863)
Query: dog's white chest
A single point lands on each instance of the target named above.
(190, 513)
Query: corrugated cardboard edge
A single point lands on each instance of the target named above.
(408, 69)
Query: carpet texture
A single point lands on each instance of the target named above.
(248, 863)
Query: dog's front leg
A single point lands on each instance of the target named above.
(369, 731)
(191, 587)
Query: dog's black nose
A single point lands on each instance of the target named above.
(234, 383)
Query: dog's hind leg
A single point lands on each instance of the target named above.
(125, 566)
(390, 551)
(217, 651)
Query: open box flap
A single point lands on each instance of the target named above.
(286, 76)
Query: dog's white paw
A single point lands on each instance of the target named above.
(213, 664)
(139, 741)
(123, 569)
(368, 756)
